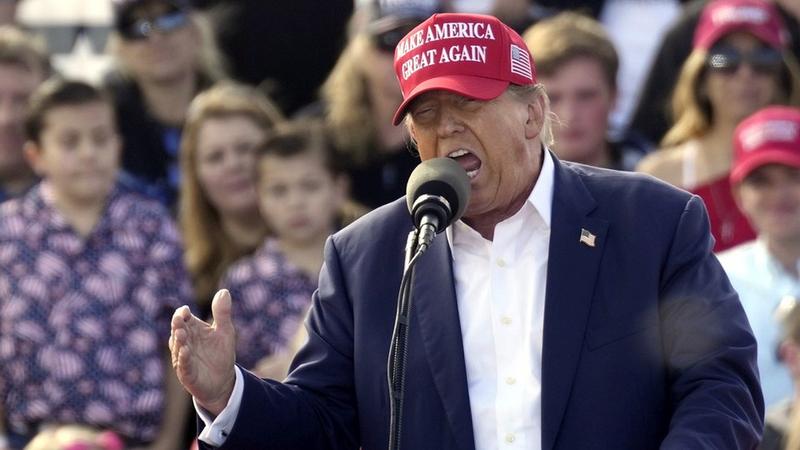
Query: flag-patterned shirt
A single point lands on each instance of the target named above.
(270, 299)
(84, 321)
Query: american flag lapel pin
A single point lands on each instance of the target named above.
(587, 238)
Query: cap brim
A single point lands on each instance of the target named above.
(764, 157)
(472, 87)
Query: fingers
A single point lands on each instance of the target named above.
(221, 310)
(178, 334)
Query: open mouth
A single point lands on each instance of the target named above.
(468, 161)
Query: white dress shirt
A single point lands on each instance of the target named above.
(500, 287)
(503, 280)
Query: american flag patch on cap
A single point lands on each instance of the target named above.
(520, 62)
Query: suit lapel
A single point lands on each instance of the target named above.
(572, 269)
(435, 312)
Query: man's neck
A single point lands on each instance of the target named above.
(169, 100)
(484, 224)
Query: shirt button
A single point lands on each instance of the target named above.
(505, 320)
(501, 262)
(511, 380)
(510, 437)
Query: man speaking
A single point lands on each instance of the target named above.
(571, 308)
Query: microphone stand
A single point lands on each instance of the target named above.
(398, 351)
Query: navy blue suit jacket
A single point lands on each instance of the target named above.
(645, 342)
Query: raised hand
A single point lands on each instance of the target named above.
(203, 355)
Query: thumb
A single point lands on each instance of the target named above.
(221, 310)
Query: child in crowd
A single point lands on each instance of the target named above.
(90, 274)
(302, 192)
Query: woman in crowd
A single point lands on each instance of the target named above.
(165, 55)
(739, 63)
(360, 97)
(218, 211)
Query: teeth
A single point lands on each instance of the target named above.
(472, 173)
(457, 153)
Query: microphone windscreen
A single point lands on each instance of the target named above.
(440, 177)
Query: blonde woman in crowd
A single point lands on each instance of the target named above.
(165, 54)
(360, 97)
(218, 212)
(739, 63)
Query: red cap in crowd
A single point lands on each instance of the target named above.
(722, 17)
(770, 136)
(473, 55)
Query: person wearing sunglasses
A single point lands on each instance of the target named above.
(360, 97)
(164, 56)
(740, 63)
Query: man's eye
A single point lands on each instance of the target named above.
(422, 112)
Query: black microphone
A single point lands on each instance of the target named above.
(437, 194)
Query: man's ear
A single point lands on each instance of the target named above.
(535, 118)
(33, 155)
(412, 133)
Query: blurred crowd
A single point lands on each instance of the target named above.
(226, 140)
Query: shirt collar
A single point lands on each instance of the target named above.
(541, 196)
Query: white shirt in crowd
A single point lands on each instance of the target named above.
(500, 287)
(762, 282)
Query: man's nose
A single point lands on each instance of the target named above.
(449, 123)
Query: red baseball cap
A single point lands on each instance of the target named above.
(770, 136)
(722, 17)
(473, 55)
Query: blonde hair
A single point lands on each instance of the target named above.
(208, 249)
(569, 35)
(210, 64)
(349, 115)
(693, 113)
